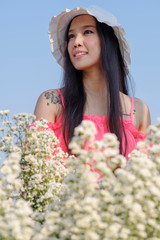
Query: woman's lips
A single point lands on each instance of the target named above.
(79, 54)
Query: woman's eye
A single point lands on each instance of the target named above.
(88, 32)
(70, 36)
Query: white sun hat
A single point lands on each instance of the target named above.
(59, 24)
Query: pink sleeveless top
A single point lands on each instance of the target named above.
(132, 133)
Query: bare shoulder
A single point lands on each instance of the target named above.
(141, 115)
(49, 105)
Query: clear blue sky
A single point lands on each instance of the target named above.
(27, 67)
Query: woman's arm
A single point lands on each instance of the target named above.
(142, 115)
(48, 106)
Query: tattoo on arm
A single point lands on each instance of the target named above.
(53, 97)
(128, 114)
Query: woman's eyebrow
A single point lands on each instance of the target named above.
(85, 26)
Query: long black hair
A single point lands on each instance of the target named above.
(114, 70)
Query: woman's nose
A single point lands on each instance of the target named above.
(78, 40)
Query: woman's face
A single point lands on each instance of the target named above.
(84, 46)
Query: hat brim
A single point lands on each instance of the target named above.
(58, 26)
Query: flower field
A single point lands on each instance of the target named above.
(93, 194)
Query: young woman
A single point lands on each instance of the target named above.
(89, 44)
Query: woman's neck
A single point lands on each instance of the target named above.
(96, 93)
(94, 82)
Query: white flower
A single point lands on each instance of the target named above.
(155, 149)
(155, 191)
(124, 233)
(6, 170)
(140, 145)
(136, 208)
(145, 173)
(74, 147)
(91, 235)
(115, 228)
(85, 222)
(151, 222)
(109, 152)
(157, 134)
(128, 200)
(152, 129)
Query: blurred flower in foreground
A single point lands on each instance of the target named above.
(98, 196)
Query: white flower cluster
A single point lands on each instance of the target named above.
(4, 112)
(15, 216)
(42, 171)
(12, 133)
(80, 214)
(100, 198)
(123, 204)
(42, 168)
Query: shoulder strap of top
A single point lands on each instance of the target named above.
(62, 99)
(132, 107)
